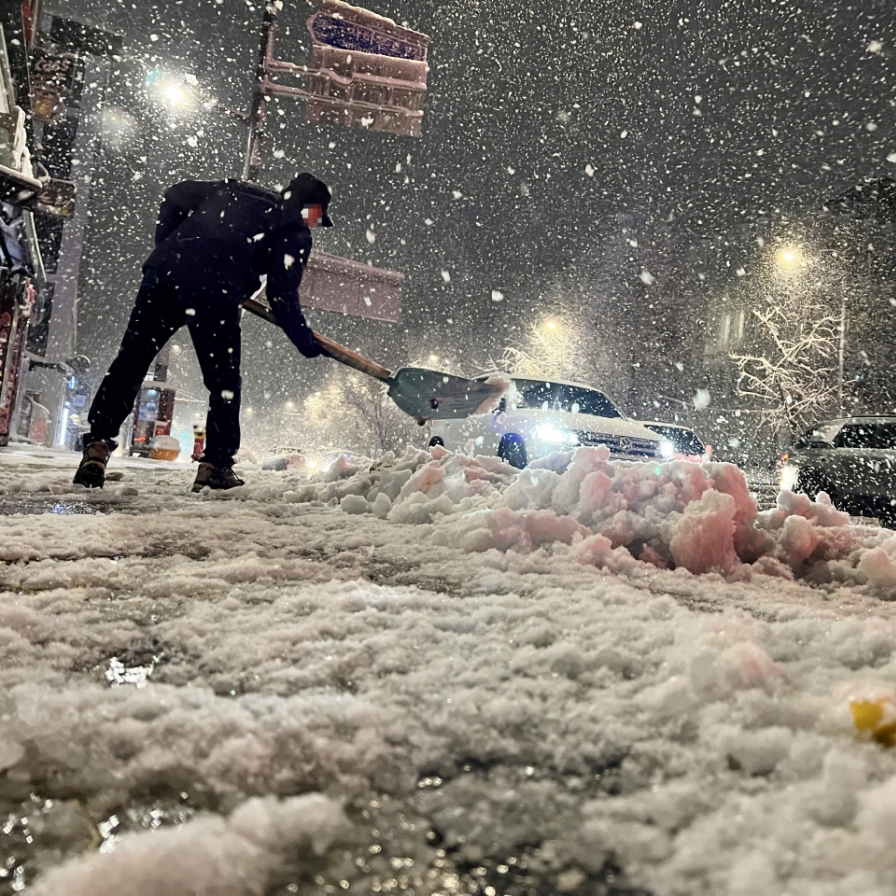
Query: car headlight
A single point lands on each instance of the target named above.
(788, 477)
(557, 435)
(667, 448)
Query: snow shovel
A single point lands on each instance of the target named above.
(421, 393)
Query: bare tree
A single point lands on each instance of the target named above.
(386, 427)
(566, 342)
(795, 373)
(352, 411)
(552, 348)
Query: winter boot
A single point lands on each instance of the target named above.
(92, 469)
(214, 477)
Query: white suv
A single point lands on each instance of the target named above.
(537, 417)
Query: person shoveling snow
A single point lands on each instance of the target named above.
(214, 241)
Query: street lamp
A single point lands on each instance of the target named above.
(180, 95)
(173, 94)
(790, 259)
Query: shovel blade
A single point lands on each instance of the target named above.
(432, 395)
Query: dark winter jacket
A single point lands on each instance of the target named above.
(226, 235)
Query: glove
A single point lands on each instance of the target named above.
(303, 339)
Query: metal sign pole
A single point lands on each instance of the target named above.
(258, 112)
(365, 71)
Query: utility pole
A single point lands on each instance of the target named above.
(258, 111)
(841, 350)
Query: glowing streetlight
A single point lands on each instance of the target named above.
(179, 94)
(174, 95)
(790, 258)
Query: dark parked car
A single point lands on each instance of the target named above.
(853, 460)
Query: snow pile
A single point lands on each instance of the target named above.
(615, 515)
(578, 506)
(219, 857)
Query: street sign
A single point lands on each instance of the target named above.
(331, 283)
(380, 93)
(365, 71)
(348, 287)
(348, 27)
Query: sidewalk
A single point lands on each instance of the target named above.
(34, 479)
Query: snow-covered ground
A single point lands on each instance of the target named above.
(436, 676)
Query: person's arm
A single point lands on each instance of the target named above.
(289, 255)
(180, 201)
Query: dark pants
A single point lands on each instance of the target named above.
(163, 306)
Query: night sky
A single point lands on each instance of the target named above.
(546, 124)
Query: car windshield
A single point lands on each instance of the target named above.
(559, 397)
(867, 435)
(685, 441)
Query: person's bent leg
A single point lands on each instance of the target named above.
(215, 330)
(154, 320)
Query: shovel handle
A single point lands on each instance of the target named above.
(333, 349)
